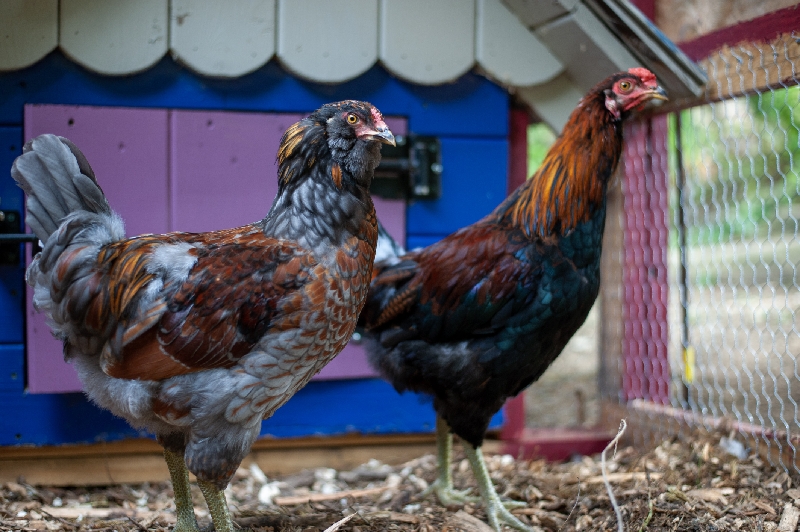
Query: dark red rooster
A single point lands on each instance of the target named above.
(198, 337)
(475, 318)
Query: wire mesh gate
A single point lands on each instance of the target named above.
(701, 325)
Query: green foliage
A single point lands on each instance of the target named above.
(742, 160)
(540, 138)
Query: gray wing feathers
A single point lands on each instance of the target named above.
(58, 180)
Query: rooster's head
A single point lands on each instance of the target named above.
(348, 133)
(631, 90)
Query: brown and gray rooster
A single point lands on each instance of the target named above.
(198, 337)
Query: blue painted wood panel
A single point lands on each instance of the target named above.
(11, 275)
(12, 367)
(472, 106)
(473, 183)
(367, 406)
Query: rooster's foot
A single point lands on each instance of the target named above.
(186, 525)
(497, 514)
(511, 504)
(496, 510)
(448, 496)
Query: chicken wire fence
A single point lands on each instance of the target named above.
(701, 324)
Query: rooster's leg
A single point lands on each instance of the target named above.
(496, 510)
(217, 506)
(443, 485)
(183, 494)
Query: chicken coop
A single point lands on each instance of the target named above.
(180, 105)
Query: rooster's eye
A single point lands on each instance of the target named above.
(625, 86)
(352, 119)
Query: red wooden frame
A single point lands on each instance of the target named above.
(645, 284)
(514, 410)
(760, 29)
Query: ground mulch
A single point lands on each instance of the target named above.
(679, 485)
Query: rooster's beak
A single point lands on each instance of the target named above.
(381, 134)
(658, 94)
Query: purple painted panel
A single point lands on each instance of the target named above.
(127, 149)
(224, 172)
(398, 125)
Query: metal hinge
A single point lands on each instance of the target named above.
(11, 237)
(410, 170)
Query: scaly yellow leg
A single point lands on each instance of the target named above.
(217, 506)
(443, 485)
(183, 494)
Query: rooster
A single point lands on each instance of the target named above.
(477, 317)
(197, 337)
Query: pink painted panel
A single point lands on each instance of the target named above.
(127, 149)
(223, 170)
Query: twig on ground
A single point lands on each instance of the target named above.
(338, 524)
(137, 523)
(617, 511)
(577, 498)
(621, 477)
(647, 519)
(59, 519)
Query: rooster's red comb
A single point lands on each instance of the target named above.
(645, 75)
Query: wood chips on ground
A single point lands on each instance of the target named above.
(680, 485)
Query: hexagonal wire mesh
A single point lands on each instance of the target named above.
(707, 303)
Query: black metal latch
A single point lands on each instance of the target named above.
(11, 237)
(411, 169)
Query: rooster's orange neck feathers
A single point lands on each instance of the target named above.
(570, 185)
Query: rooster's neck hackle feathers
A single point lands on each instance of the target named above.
(570, 185)
(324, 172)
(296, 156)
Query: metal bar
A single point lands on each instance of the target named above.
(680, 226)
(21, 238)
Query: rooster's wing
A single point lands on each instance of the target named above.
(159, 325)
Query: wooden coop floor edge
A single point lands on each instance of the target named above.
(649, 424)
(141, 460)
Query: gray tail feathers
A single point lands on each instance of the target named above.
(58, 181)
(388, 249)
